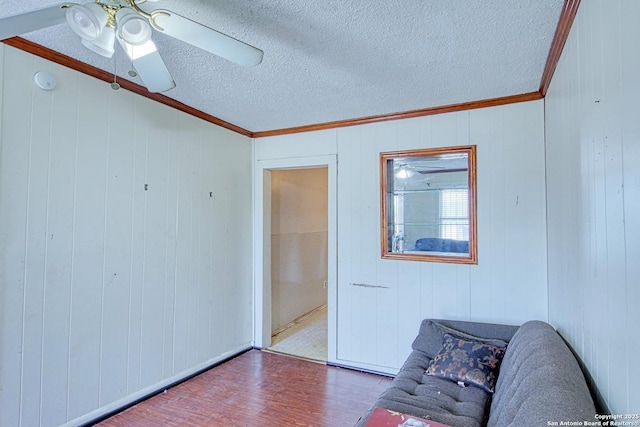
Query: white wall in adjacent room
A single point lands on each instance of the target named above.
(299, 225)
(376, 323)
(109, 290)
(593, 186)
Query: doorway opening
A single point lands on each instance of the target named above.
(299, 262)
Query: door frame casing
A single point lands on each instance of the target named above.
(262, 244)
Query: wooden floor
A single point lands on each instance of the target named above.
(261, 389)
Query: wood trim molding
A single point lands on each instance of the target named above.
(532, 96)
(74, 64)
(568, 14)
(387, 187)
(565, 22)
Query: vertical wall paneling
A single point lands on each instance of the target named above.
(346, 261)
(193, 275)
(380, 303)
(13, 229)
(170, 285)
(35, 268)
(89, 250)
(202, 254)
(217, 202)
(183, 227)
(511, 213)
(593, 187)
(125, 245)
(631, 179)
(365, 220)
(385, 138)
(238, 301)
(311, 144)
(139, 141)
(58, 277)
(414, 291)
(117, 250)
(455, 291)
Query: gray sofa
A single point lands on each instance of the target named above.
(539, 380)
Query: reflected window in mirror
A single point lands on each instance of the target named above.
(428, 205)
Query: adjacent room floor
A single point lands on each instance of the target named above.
(306, 338)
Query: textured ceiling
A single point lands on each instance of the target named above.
(341, 59)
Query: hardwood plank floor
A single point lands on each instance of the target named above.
(260, 389)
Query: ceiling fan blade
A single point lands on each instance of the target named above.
(205, 38)
(149, 66)
(41, 18)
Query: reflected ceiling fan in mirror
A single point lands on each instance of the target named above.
(103, 22)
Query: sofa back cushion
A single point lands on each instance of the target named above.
(431, 335)
(540, 381)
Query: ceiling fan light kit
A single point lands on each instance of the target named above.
(102, 22)
(132, 27)
(87, 21)
(103, 45)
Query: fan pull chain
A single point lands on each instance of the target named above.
(132, 71)
(115, 85)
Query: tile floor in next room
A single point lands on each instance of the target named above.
(306, 337)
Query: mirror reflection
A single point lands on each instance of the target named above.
(429, 204)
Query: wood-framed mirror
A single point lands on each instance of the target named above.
(428, 205)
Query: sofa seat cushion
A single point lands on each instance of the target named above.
(413, 392)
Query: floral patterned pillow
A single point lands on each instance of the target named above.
(471, 362)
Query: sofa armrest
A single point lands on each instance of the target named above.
(540, 381)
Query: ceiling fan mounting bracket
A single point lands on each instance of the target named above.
(134, 6)
(111, 11)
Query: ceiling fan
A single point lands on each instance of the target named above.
(103, 22)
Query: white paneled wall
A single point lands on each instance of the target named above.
(125, 245)
(377, 322)
(593, 185)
